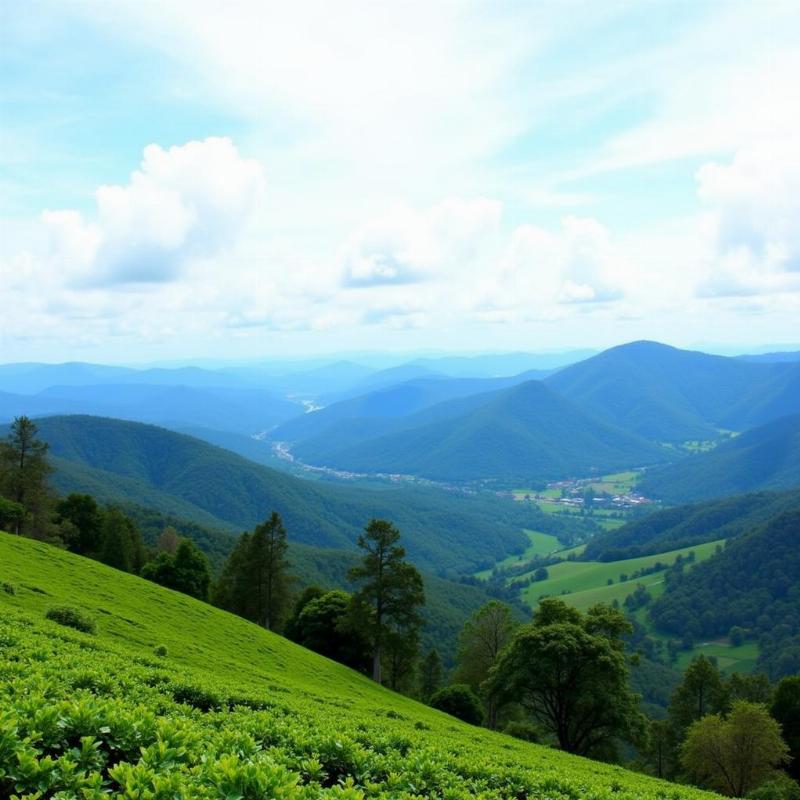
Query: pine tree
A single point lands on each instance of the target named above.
(267, 573)
(390, 595)
(23, 474)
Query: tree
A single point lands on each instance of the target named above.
(754, 688)
(459, 701)
(785, 709)
(169, 541)
(267, 573)
(701, 692)
(230, 591)
(431, 675)
(187, 571)
(11, 515)
(400, 658)
(322, 625)
(391, 590)
(570, 672)
(87, 521)
(121, 545)
(661, 747)
(24, 470)
(480, 642)
(737, 754)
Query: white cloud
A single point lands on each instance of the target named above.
(408, 246)
(751, 221)
(185, 202)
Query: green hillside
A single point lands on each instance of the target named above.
(130, 462)
(584, 583)
(230, 710)
(673, 395)
(526, 433)
(767, 457)
(691, 524)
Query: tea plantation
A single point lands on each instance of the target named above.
(171, 699)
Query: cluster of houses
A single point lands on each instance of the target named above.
(578, 494)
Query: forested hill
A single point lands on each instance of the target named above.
(767, 457)
(673, 395)
(522, 434)
(124, 461)
(753, 584)
(688, 525)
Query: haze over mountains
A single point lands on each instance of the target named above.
(451, 419)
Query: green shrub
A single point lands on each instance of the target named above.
(72, 618)
(8, 588)
(161, 651)
(459, 701)
(781, 787)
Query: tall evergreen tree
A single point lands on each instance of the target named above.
(23, 473)
(391, 593)
(121, 543)
(267, 573)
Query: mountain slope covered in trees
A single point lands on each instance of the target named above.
(673, 395)
(525, 433)
(119, 461)
(688, 525)
(767, 457)
(754, 584)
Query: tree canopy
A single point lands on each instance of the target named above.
(570, 672)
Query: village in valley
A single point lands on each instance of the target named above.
(607, 493)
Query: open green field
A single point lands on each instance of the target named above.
(729, 658)
(583, 583)
(540, 544)
(229, 710)
(616, 482)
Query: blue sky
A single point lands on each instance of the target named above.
(189, 179)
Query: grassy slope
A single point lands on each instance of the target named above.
(541, 544)
(317, 706)
(587, 581)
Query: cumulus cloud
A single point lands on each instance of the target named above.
(576, 263)
(408, 246)
(752, 208)
(185, 202)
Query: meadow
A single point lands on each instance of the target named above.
(172, 698)
(539, 544)
(583, 583)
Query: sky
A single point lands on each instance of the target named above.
(197, 179)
